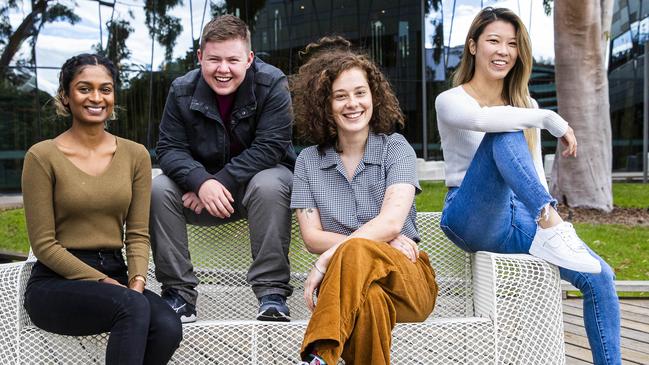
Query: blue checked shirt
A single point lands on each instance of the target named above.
(319, 181)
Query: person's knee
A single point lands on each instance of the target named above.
(137, 304)
(378, 307)
(134, 308)
(169, 331)
(271, 184)
(163, 188)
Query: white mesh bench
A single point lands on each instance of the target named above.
(492, 309)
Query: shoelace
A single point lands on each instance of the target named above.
(570, 237)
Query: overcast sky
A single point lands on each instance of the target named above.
(61, 40)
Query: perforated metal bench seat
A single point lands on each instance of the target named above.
(491, 309)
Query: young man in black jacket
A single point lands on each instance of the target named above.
(226, 153)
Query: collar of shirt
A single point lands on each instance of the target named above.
(372, 155)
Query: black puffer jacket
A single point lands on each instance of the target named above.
(194, 146)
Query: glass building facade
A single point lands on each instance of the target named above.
(418, 44)
(629, 34)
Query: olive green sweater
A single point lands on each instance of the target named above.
(66, 208)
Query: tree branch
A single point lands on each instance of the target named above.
(24, 31)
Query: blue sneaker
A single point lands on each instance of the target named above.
(272, 307)
(185, 311)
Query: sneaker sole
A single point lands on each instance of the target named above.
(595, 268)
(188, 319)
(273, 316)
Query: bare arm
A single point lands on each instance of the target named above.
(395, 208)
(316, 239)
(384, 227)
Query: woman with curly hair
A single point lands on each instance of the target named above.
(353, 194)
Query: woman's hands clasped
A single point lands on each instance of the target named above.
(136, 285)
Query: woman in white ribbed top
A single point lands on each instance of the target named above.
(498, 199)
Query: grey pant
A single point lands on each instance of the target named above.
(265, 201)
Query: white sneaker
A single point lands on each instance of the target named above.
(561, 246)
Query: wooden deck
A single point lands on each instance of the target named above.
(635, 332)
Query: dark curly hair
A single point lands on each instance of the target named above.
(312, 93)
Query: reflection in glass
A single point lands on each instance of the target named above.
(630, 30)
(390, 31)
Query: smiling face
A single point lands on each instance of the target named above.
(351, 102)
(224, 64)
(91, 95)
(495, 50)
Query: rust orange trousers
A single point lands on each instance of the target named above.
(369, 286)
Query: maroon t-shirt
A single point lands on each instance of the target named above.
(225, 104)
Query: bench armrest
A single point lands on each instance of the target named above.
(522, 294)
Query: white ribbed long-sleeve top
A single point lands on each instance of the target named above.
(462, 124)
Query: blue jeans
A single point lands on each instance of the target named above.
(495, 209)
(143, 328)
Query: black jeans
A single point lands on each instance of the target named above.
(143, 328)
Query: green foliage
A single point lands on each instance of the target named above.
(160, 23)
(59, 12)
(242, 8)
(630, 195)
(164, 27)
(431, 198)
(625, 248)
(547, 6)
(13, 235)
(5, 25)
(118, 32)
(23, 126)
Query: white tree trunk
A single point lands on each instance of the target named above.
(581, 36)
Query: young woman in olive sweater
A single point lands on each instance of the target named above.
(86, 195)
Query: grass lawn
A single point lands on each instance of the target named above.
(625, 248)
(627, 195)
(13, 236)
